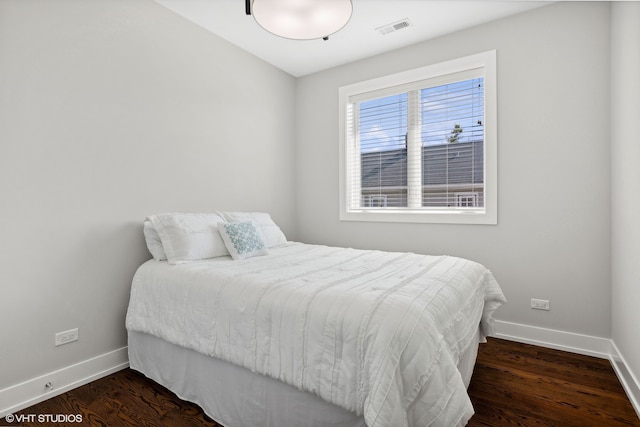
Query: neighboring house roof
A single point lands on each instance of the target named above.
(453, 163)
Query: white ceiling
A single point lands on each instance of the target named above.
(359, 39)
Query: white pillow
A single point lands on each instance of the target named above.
(270, 232)
(189, 236)
(242, 239)
(154, 244)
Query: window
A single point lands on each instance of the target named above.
(373, 201)
(420, 146)
(469, 200)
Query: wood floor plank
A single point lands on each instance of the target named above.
(513, 384)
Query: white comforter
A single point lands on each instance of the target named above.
(376, 333)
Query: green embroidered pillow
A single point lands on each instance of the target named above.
(242, 239)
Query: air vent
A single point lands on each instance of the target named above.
(395, 26)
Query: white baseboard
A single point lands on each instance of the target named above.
(629, 382)
(603, 348)
(30, 392)
(551, 338)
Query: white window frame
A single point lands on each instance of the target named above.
(488, 214)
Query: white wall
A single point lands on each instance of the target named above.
(111, 111)
(552, 240)
(625, 180)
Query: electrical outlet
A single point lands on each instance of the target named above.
(66, 336)
(540, 304)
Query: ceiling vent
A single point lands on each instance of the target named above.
(395, 26)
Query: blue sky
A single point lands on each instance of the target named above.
(383, 121)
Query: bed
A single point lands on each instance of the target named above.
(307, 335)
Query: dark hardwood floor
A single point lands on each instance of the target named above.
(513, 385)
(524, 385)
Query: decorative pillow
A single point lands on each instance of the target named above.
(242, 239)
(269, 231)
(189, 236)
(154, 244)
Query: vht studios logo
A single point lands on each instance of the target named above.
(44, 418)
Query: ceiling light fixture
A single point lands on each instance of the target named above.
(300, 19)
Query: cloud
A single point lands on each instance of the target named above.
(376, 138)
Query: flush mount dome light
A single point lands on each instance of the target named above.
(301, 19)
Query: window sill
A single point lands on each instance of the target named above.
(472, 216)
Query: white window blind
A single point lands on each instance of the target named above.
(418, 146)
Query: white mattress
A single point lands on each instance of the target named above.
(379, 334)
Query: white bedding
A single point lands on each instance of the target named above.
(376, 333)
